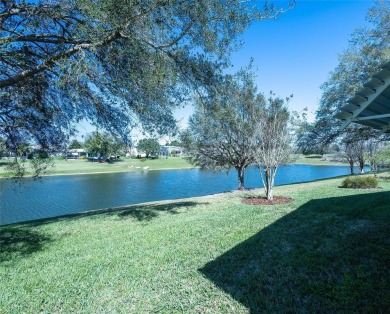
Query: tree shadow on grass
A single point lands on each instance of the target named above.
(144, 212)
(148, 212)
(330, 255)
(19, 242)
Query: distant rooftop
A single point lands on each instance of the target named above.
(371, 104)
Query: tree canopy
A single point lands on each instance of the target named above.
(221, 131)
(75, 144)
(102, 144)
(273, 141)
(149, 146)
(114, 62)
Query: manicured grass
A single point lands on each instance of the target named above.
(317, 160)
(327, 252)
(123, 164)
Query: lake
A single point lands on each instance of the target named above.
(61, 195)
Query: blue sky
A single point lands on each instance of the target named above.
(295, 53)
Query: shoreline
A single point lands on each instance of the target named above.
(336, 164)
(156, 169)
(101, 172)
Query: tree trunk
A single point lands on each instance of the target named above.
(270, 194)
(361, 166)
(269, 181)
(240, 172)
(374, 168)
(351, 166)
(268, 184)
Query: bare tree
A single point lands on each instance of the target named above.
(349, 155)
(374, 154)
(359, 148)
(355, 145)
(272, 142)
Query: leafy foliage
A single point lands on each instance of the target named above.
(174, 143)
(221, 131)
(384, 154)
(116, 63)
(75, 144)
(149, 146)
(377, 154)
(102, 144)
(360, 182)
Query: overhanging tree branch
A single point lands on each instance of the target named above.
(63, 55)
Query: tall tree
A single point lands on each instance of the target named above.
(348, 153)
(373, 154)
(356, 145)
(149, 146)
(116, 63)
(384, 155)
(220, 133)
(102, 144)
(75, 144)
(273, 141)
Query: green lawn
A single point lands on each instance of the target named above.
(318, 160)
(124, 164)
(327, 252)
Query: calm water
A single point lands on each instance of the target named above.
(60, 195)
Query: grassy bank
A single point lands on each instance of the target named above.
(328, 251)
(319, 160)
(124, 164)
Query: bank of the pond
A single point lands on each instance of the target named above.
(328, 251)
(79, 166)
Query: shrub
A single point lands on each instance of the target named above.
(42, 154)
(360, 183)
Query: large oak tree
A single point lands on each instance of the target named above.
(115, 63)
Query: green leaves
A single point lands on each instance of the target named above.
(149, 146)
(115, 63)
(102, 145)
